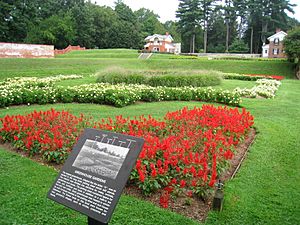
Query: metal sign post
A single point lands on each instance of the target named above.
(95, 173)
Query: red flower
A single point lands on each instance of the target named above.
(182, 183)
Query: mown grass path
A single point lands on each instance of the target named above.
(267, 188)
(47, 67)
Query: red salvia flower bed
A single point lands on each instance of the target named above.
(183, 153)
(276, 77)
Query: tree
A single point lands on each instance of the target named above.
(189, 17)
(292, 47)
(149, 22)
(264, 17)
(292, 44)
(173, 29)
(216, 32)
(127, 32)
(104, 19)
(238, 46)
(84, 23)
(241, 10)
(206, 9)
(57, 30)
(5, 11)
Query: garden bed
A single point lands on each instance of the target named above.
(183, 156)
(196, 208)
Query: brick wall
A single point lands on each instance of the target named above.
(68, 49)
(276, 48)
(15, 50)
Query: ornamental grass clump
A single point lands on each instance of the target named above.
(155, 78)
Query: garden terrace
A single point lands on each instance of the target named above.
(265, 190)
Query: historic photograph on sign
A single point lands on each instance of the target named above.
(101, 158)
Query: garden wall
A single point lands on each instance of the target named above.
(68, 49)
(15, 50)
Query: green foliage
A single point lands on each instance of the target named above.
(217, 33)
(57, 30)
(235, 76)
(238, 46)
(292, 44)
(85, 31)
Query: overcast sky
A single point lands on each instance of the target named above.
(166, 8)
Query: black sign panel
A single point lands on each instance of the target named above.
(95, 173)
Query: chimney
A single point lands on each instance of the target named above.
(278, 30)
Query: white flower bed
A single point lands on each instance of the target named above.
(42, 91)
(264, 88)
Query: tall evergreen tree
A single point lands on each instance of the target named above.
(189, 17)
(206, 9)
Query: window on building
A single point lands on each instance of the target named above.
(266, 51)
(275, 51)
(276, 41)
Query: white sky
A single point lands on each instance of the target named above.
(166, 8)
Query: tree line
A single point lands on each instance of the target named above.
(203, 25)
(78, 22)
(231, 25)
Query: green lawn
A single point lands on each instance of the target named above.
(266, 190)
(102, 53)
(70, 64)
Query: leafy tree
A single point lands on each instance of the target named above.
(57, 30)
(238, 46)
(126, 33)
(5, 11)
(173, 29)
(104, 19)
(84, 23)
(292, 44)
(149, 22)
